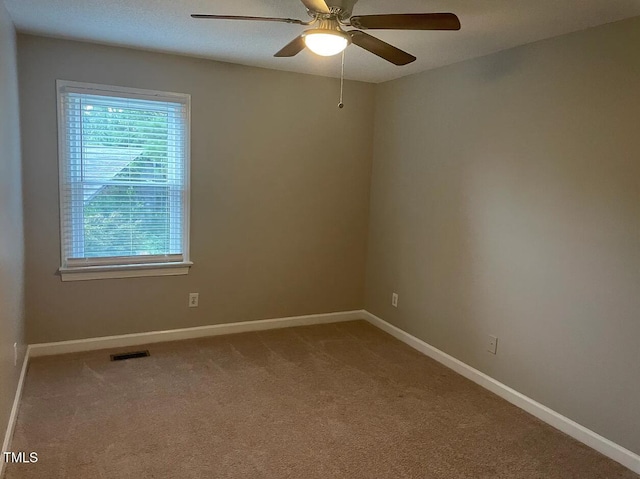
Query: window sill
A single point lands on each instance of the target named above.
(87, 273)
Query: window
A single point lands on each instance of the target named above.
(124, 181)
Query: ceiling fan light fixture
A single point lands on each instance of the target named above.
(326, 43)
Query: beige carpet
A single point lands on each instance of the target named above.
(342, 400)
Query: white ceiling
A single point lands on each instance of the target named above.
(164, 25)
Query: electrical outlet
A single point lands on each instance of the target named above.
(193, 300)
(394, 300)
(15, 354)
(493, 344)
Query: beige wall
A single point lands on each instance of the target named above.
(506, 201)
(11, 237)
(279, 204)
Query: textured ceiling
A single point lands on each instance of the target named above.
(164, 25)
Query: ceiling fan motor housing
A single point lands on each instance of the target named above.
(330, 24)
(341, 8)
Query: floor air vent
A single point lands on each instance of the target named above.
(134, 354)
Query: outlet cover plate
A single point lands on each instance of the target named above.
(193, 300)
(493, 344)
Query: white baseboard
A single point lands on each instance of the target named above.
(601, 444)
(13, 417)
(125, 340)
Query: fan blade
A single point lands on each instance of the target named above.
(292, 48)
(410, 21)
(319, 6)
(262, 19)
(380, 48)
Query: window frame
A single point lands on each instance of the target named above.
(125, 270)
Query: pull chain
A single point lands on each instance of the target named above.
(341, 104)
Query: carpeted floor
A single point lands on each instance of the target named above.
(341, 400)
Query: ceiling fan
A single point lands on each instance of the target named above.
(327, 36)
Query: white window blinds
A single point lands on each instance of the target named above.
(123, 175)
